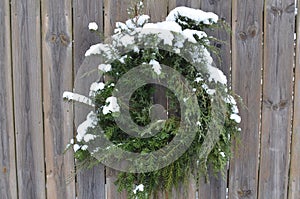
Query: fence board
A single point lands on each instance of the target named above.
(91, 182)
(8, 181)
(189, 3)
(57, 77)
(277, 98)
(114, 11)
(246, 82)
(157, 10)
(216, 187)
(294, 180)
(26, 49)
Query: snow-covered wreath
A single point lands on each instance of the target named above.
(157, 147)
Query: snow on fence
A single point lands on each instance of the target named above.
(42, 45)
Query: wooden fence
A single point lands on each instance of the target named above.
(42, 45)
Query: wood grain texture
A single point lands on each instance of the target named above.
(294, 180)
(189, 3)
(26, 49)
(84, 13)
(57, 78)
(215, 187)
(277, 98)
(157, 10)
(91, 182)
(114, 11)
(246, 82)
(223, 10)
(8, 180)
(111, 188)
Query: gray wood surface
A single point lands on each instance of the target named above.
(90, 182)
(26, 53)
(189, 3)
(246, 82)
(57, 78)
(157, 10)
(216, 187)
(223, 10)
(277, 98)
(114, 11)
(8, 181)
(294, 180)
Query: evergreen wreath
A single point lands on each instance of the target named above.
(184, 46)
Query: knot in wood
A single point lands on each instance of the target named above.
(244, 193)
(64, 39)
(276, 11)
(242, 35)
(276, 107)
(290, 8)
(252, 30)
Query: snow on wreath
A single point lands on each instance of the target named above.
(174, 53)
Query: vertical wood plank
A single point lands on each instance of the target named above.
(114, 11)
(189, 3)
(157, 10)
(223, 10)
(90, 182)
(277, 98)
(216, 187)
(57, 77)
(8, 180)
(294, 178)
(246, 82)
(26, 49)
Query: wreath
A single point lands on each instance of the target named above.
(157, 146)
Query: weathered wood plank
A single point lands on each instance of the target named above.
(277, 98)
(114, 11)
(112, 189)
(223, 10)
(26, 50)
(246, 82)
(84, 13)
(157, 10)
(216, 187)
(57, 77)
(294, 179)
(189, 3)
(8, 180)
(91, 183)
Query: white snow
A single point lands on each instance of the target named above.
(93, 26)
(76, 147)
(104, 67)
(190, 34)
(222, 154)
(138, 188)
(198, 79)
(112, 106)
(78, 98)
(194, 14)
(98, 49)
(89, 137)
(198, 123)
(155, 66)
(216, 75)
(230, 100)
(84, 147)
(90, 122)
(208, 90)
(235, 117)
(122, 59)
(96, 86)
(235, 109)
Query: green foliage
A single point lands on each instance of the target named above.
(192, 163)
